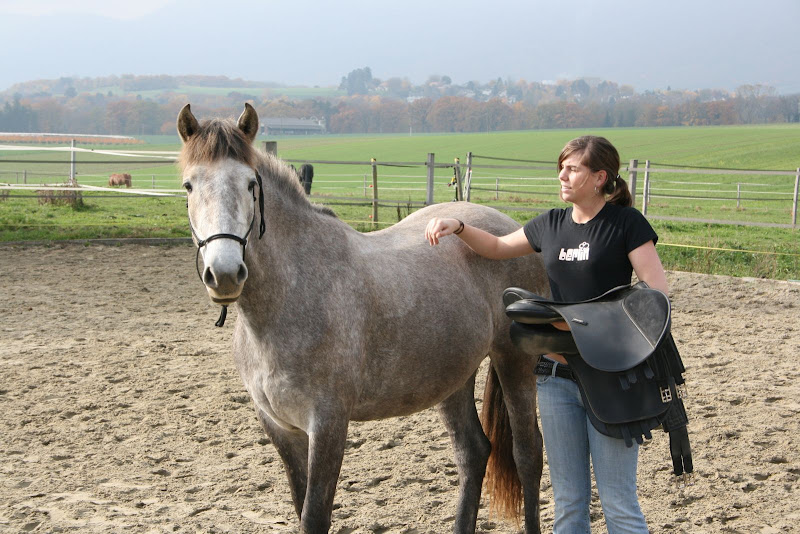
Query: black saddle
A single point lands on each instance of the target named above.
(613, 332)
(622, 355)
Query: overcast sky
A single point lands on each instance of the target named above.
(650, 45)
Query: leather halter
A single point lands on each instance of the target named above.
(241, 240)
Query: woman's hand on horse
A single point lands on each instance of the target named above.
(438, 228)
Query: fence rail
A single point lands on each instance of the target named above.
(527, 184)
(648, 193)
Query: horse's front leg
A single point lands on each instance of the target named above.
(292, 446)
(326, 451)
(471, 448)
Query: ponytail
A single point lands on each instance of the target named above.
(618, 190)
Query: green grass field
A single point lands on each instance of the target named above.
(768, 252)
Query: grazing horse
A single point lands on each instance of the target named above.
(120, 179)
(335, 325)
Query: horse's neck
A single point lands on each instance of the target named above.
(298, 246)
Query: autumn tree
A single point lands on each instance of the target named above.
(357, 82)
(50, 115)
(449, 114)
(499, 115)
(17, 117)
(391, 116)
(418, 114)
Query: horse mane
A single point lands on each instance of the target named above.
(218, 139)
(285, 179)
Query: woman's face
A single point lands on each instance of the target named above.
(578, 182)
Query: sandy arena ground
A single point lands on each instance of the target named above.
(122, 412)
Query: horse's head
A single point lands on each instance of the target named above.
(218, 165)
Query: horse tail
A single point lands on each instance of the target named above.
(502, 481)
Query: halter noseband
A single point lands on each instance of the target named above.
(241, 240)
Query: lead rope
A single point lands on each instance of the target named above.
(223, 314)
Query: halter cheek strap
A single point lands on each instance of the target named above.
(241, 240)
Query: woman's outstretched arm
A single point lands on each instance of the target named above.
(483, 243)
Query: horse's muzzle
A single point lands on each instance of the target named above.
(225, 282)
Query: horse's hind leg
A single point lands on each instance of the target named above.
(517, 399)
(292, 446)
(471, 448)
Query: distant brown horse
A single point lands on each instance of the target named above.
(120, 179)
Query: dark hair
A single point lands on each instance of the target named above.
(599, 154)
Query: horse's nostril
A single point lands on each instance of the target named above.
(241, 276)
(209, 279)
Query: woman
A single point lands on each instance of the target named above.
(587, 249)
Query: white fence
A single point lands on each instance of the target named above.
(766, 195)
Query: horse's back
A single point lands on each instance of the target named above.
(403, 248)
(407, 237)
(482, 217)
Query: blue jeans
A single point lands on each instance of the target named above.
(570, 441)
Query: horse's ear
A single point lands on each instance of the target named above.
(187, 124)
(248, 122)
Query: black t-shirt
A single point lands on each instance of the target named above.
(584, 261)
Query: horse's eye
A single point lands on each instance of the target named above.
(187, 186)
(251, 186)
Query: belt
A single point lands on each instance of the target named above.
(545, 367)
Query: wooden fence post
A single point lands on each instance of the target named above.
(646, 191)
(794, 200)
(468, 178)
(25, 177)
(374, 192)
(429, 193)
(153, 177)
(738, 196)
(72, 181)
(457, 171)
(271, 147)
(632, 167)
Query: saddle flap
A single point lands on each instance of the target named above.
(621, 331)
(604, 398)
(513, 294)
(531, 312)
(536, 340)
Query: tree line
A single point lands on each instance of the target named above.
(365, 104)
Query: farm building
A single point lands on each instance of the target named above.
(291, 126)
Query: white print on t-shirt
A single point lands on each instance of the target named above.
(575, 254)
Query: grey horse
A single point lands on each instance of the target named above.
(335, 325)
